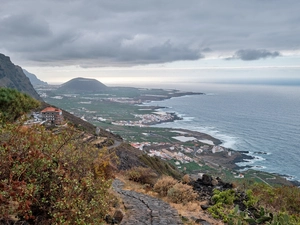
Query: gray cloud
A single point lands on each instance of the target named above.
(24, 25)
(253, 54)
(121, 33)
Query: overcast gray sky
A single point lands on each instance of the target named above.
(57, 39)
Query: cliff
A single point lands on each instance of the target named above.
(33, 79)
(12, 76)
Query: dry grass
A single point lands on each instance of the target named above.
(164, 184)
(186, 179)
(142, 175)
(182, 193)
(193, 210)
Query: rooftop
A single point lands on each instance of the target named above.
(51, 109)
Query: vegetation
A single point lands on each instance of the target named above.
(14, 104)
(175, 191)
(164, 184)
(55, 178)
(261, 204)
(142, 175)
(48, 178)
(181, 193)
(161, 167)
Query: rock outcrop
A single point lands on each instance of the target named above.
(12, 76)
(204, 186)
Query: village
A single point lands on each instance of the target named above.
(147, 119)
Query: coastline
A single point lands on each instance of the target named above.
(159, 96)
(240, 156)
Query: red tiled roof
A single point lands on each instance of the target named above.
(51, 109)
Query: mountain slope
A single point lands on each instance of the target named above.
(83, 85)
(12, 76)
(33, 79)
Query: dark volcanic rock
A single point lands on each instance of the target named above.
(12, 76)
(118, 216)
(206, 180)
(204, 207)
(205, 186)
(202, 222)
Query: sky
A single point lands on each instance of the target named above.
(132, 41)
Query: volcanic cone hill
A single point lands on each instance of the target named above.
(83, 85)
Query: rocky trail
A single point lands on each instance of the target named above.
(145, 210)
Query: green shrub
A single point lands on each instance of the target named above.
(251, 200)
(14, 104)
(284, 219)
(223, 203)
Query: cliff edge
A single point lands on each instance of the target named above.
(12, 76)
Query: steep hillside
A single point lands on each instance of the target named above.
(12, 76)
(83, 85)
(33, 79)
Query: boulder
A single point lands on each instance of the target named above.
(118, 216)
(202, 222)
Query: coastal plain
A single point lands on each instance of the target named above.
(122, 111)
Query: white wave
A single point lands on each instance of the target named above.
(258, 167)
(186, 118)
(211, 94)
(227, 140)
(249, 162)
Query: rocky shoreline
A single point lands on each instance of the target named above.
(221, 159)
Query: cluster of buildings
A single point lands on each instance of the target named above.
(125, 100)
(180, 153)
(164, 151)
(146, 119)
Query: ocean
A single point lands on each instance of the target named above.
(261, 119)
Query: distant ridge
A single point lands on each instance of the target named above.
(33, 79)
(83, 85)
(12, 76)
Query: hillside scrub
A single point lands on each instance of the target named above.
(164, 184)
(48, 178)
(14, 104)
(174, 190)
(181, 193)
(260, 204)
(142, 175)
